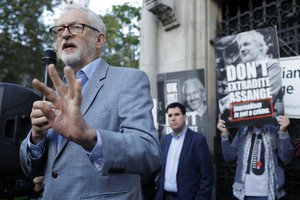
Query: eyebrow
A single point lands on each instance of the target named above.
(174, 114)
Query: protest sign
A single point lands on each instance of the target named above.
(249, 77)
(188, 88)
(291, 85)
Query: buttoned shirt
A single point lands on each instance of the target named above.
(174, 151)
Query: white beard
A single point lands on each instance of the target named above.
(80, 55)
(72, 59)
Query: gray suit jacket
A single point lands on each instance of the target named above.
(117, 102)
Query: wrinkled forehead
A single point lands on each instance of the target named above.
(72, 16)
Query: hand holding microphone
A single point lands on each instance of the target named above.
(39, 121)
(63, 111)
(49, 57)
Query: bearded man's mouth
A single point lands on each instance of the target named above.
(68, 45)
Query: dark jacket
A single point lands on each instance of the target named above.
(195, 171)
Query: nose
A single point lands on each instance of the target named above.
(66, 33)
(243, 48)
(191, 97)
(172, 118)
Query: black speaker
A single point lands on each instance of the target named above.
(15, 108)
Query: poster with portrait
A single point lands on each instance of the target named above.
(188, 88)
(249, 83)
(291, 85)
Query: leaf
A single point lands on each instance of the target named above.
(123, 35)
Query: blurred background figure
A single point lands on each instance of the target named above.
(187, 171)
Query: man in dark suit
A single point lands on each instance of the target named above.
(186, 171)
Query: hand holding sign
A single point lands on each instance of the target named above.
(221, 126)
(283, 121)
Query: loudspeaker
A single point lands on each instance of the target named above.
(15, 108)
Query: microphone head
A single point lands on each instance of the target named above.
(49, 57)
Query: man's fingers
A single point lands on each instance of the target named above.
(38, 118)
(56, 80)
(71, 79)
(42, 127)
(38, 183)
(48, 92)
(38, 188)
(78, 95)
(40, 121)
(44, 109)
(54, 76)
(38, 179)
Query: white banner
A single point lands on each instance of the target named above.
(291, 85)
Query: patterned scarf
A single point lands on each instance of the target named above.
(267, 139)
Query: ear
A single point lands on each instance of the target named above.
(101, 41)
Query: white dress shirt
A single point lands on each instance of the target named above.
(173, 160)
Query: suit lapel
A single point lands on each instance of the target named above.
(52, 136)
(63, 144)
(185, 146)
(94, 85)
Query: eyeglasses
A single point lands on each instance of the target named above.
(74, 29)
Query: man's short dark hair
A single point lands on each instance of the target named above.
(175, 105)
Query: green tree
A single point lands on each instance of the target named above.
(23, 37)
(123, 34)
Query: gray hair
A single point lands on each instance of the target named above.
(256, 36)
(195, 82)
(92, 17)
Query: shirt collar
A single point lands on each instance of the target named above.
(90, 68)
(182, 134)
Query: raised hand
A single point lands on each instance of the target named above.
(221, 125)
(63, 110)
(283, 121)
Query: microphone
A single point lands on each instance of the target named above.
(48, 58)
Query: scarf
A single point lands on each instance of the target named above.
(267, 140)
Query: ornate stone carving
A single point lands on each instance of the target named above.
(164, 13)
